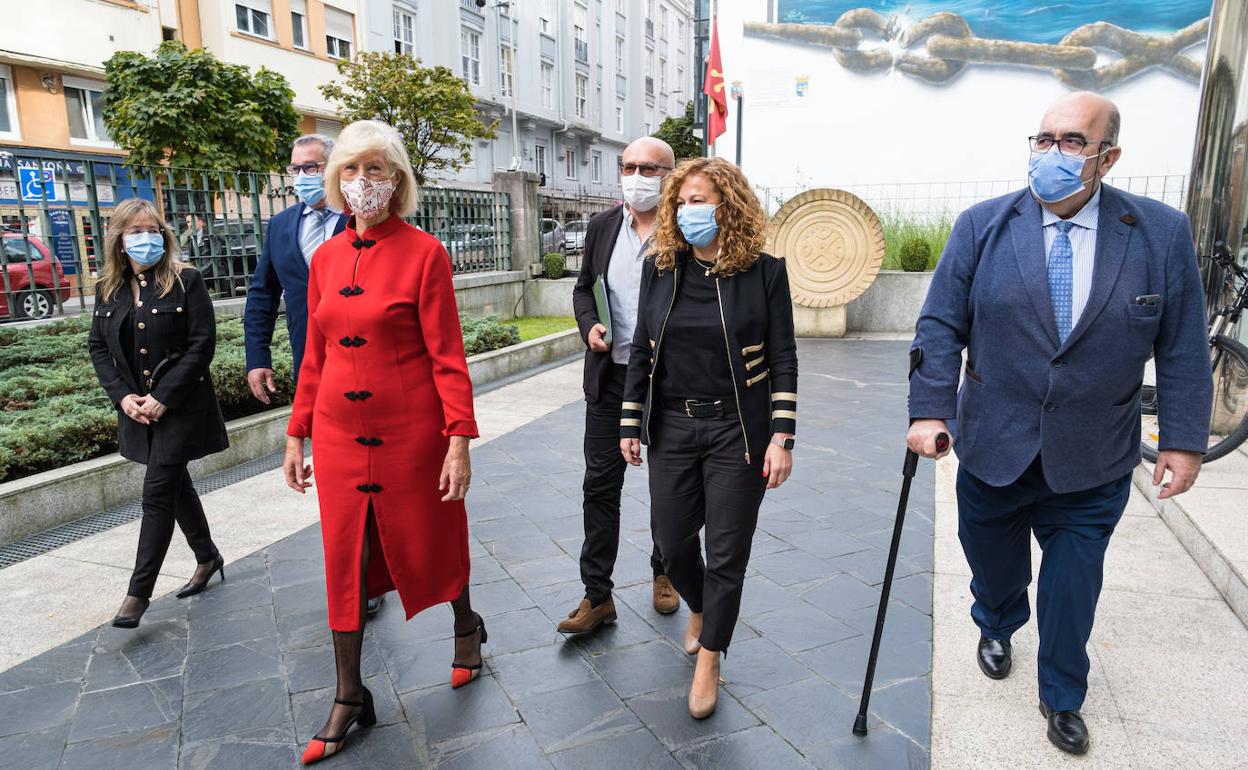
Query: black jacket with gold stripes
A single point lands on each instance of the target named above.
(757, 317)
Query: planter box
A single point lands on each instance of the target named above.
(36, 503)
(550, 298)
(891, 304)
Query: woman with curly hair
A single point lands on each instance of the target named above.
(712, 391)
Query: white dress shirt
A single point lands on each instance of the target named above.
(1082, 243)
(624, 286)
(306, 221)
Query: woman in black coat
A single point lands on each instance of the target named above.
(152, 338)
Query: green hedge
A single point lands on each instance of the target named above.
(54, 413)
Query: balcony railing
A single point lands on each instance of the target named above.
(582, 51)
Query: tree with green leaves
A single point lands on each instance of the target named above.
(678, 132)
(431, 107)
(186, 109)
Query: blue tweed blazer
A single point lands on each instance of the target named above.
(1076, 404)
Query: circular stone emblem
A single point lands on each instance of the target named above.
(833, 243)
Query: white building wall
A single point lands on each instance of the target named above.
(76, 33)
(554, 127)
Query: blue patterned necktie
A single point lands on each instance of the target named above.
(1061, 278)
(313, 233)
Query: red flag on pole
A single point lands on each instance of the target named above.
(713, 87)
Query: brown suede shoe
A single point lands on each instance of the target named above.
(666, 600)
(586, 618)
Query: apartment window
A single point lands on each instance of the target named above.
(680, 32)
(505, 70)
(619, 116)
(680, 76)
(595, 167)
(582, 96)
(539, 158)
(470, 55)
(546, 13)
(254, 17)
(662, 75)
(84, 105)
(663, 23)
(299, 22)
(649, 120)
(569, 163)
(649, 9)
(548, 84)
(8, 105)
(339, 32)
(404, 30)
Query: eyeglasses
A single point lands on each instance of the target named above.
(311, 167)
(646, 169)
(1067, 145)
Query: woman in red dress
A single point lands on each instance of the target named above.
(385, 397)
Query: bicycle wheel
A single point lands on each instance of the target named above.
(1228, 423)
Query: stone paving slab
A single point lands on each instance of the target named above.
(241, 675)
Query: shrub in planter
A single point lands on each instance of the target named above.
(554, 265)
(487, 333)
(915, 254)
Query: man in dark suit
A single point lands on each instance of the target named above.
(615, 248)
(1059, 295)
(292, 237)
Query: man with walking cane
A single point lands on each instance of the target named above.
(1059, 294)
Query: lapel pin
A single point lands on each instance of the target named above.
(1128, 219)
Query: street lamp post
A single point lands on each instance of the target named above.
(511, 33)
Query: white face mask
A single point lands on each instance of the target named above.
(367, 197)
(641, 193)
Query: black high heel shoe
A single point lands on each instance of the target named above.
(322, 748)
(131, 621)
(192, 588)
(461, 673)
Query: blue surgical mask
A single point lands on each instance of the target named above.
(697, 223)
(1054, 177)
(310, 188)
(144, 248)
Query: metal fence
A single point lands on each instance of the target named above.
(54, 211)
(936, 201)
(565, 217)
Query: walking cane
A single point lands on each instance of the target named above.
(907, 472)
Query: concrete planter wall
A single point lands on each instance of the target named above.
(495, 293)
(36, 503)
(547, 297)
(891, 304)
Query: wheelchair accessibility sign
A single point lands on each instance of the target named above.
(36, 183)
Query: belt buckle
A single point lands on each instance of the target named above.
(688, 411)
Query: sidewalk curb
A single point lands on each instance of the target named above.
(1230, 582)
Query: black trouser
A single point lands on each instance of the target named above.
(604, 479)
(699, 478)
(168, 496)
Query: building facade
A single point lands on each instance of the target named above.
(588, 76)
(51, 85)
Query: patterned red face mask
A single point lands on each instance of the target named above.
(367, 197)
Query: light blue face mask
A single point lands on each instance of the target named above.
(310, 188)
(144, 248)
(697, 223)
(1054, 177)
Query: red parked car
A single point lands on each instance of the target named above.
(26, 258)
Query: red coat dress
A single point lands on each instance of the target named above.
(384, 383)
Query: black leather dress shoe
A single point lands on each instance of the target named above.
(1066, 730)
(995, 657)
(374, 605)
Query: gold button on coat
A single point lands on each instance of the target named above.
(147, 372)
(143, 351)
(142, 325)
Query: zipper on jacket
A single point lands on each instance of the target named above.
(654, 362)
(728, 351)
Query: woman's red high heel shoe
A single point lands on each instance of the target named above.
(323, 748)
(462, 674)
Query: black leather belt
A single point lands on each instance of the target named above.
(701, 410)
